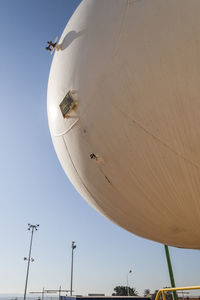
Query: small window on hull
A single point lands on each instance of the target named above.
(67, 104)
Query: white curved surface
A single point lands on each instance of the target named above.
(136, 68)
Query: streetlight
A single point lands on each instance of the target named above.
(72, 263)
(130, 271)
(29, 259)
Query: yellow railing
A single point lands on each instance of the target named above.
(162, 291)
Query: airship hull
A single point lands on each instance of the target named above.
(131, 144)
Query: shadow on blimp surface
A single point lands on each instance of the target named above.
(70, 37)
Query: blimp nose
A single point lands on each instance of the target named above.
(123, 113)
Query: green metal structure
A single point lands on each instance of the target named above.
(171, 275)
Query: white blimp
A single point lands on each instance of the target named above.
(124, 113)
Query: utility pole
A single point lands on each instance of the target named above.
(130, 271)
(29, 259)
(43, 294)
(59, 293)
(171, 275)
(72, 265)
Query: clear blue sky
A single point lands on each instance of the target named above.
(34, 188)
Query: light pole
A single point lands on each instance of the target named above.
(72, 265)
(29, 259)
(130, 271)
